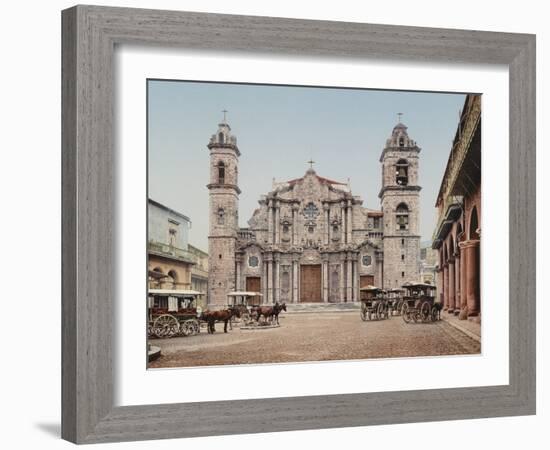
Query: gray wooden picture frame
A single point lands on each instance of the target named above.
(90, 34)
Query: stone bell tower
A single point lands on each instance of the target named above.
(224, 214)
(400, 199)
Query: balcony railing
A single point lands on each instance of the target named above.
(246, 235)
(171, 251)
(452, 207)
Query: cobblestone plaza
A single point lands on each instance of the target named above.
(316, 337)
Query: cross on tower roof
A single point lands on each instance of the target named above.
(224, 111)
(311, 162)
(399, 115)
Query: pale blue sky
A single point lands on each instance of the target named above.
(278, 129)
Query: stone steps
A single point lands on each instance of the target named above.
(297, 308)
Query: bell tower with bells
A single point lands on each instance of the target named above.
(224, 213)
(400, 201)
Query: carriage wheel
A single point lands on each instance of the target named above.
(399, 307)
(189, 327)
(185, 329)
(405, 313)
(165, 326)
(425, 312)
(434, 313)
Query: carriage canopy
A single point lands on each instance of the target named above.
(370, 288)
(172, 299)
(243, 297)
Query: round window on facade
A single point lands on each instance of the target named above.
(253, 261)
(367, 260)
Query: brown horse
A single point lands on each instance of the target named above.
(222, 315)
(271, 312)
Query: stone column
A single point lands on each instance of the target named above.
(325, 280)
(341, 293)
(380, 267)
(349, 280)
(355, 265)
(277, 223)
(238, 274)
(270, 222)
(471, 250)
(442, 278)
(264, 280)
(270, 281)
(349, 222)
(463, 314)
(458, 290)
(295, 281)
(451, 298)
(445, 286)
(343, 225)
(293, 224)
(327, 222)
(277, 282)
(439, 284)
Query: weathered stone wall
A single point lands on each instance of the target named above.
(230, 160)
(389, 169)
(390, 202)
(250, 263)
(401, 260)
(224, 216)
(221, 265)
(312, 220)
(401, 246)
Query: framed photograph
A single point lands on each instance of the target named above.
(312, 224)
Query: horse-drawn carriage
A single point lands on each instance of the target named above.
(395, 300)
(251, 310)
(374, 303)
(244, 302)
(172, 313)
(419, 303)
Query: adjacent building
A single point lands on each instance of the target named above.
(311, 239)
(428, 263)
(199, 273)
(458, 231)
(170, 263)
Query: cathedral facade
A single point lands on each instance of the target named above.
(311, 239)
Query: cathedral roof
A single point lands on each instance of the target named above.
(310, 173)
(321, 179)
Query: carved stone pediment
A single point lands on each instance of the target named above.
(311, 256)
